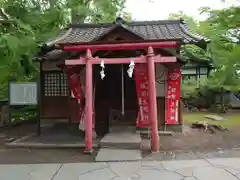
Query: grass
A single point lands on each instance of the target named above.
(233, 118)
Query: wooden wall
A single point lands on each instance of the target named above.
(54, 105)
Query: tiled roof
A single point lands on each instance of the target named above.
(146, 30)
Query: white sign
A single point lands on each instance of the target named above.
(23, 93)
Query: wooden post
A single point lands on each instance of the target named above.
(152, 99)
(89, 108)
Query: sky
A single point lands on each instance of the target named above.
(142, 10)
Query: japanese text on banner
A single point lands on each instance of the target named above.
(141, 78)
(173, 95)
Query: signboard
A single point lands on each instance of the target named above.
(173, 95)
(23, 93)
(141, 78)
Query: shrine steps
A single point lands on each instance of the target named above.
(120, 146)
(121, 140)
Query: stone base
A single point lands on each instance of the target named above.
(172, 127)
(169, 128)
(88, 152)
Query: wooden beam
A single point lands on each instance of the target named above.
(121, 46)
(141, 59)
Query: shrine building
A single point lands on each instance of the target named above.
(110, 76)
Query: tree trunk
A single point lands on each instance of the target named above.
(222, 103)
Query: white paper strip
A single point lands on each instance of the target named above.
(131, 68)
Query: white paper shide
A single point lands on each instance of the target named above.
(131, 68)
(102, 71)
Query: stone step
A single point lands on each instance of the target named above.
(120, 129)
(108, 155)
(121, 140)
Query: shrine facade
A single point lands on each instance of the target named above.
(119, 74)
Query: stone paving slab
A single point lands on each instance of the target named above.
(209, 169)
(106, 155)
(226, 162)
(175, 165)
(210, 172)
(28, 172)
(72, 171)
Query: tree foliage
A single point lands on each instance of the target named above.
(222, 27)
(24, 24)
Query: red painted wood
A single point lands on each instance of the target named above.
(121, 46)
(173, 95)
(76, 87)
(142, 59)
(152, 100)
(141, 79)
(89, 108)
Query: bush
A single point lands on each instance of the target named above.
(197, 95)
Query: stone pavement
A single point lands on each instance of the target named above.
(204, 169)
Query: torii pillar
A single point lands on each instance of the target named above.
(152, 99)
(89, 104)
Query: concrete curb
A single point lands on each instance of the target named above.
(160, 133)
(19, 144)
(23, 138)
(47, 146)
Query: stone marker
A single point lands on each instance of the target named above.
(215, 117)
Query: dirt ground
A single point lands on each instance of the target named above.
(200, 140)
(194, 144)
(191, 144)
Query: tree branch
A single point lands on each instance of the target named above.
(4, 15)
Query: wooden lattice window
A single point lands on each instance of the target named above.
(55, 84)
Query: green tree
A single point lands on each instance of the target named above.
(222, 27)
(24, 24)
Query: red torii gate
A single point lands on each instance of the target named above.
(150, 59)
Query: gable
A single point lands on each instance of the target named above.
(119, 33)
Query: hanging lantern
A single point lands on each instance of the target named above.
(102, 71)
(130, 69)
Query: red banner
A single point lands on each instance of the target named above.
(74, 82)
(173, 95)
(75, 86)
(141, 78)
